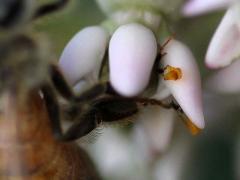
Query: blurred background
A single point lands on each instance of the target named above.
(123, 152)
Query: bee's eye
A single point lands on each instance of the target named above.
(11, 11)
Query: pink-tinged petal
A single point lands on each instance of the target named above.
(226, 80)
(84, 53)
(225, 44)
(187, 90)
(198, 7)
(132, 52)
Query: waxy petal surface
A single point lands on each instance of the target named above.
(84, 53)
(187, 90)
(225, 44)
(132, 52)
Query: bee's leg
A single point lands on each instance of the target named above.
(49, 8)
(154, 102)
(86, 123)
(60, 83)
(53, 110)
(156, 68)
(103, 110)
(114, 109)
(64, 89)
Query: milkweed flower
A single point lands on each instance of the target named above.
(82, 57)
(132, 53)
(186, 90)
(225, 44)
(223, 53)
(131, 48)
(224, 47)
(156, 124)
(130, 39)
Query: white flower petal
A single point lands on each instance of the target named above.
(157, 126)
(187, 90)
(225, 44)
(198, 7)
(226, 80)
(132, 52)
(83, 55)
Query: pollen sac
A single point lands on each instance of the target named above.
(132, 52)
(187, 90)
(225, 44)
(191, 127)
(83, 55)
(172, 73)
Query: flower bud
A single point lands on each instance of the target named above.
(187, 89)
(83, 55)
(132, 52)
(225, 44)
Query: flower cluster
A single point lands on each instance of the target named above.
(131, 46)
(129, 41)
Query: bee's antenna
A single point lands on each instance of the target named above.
(167, 42)
(49, 8)
(53, 110)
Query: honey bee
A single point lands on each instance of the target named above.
(29, 149)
